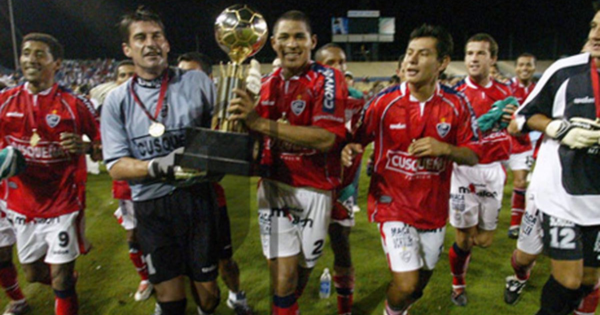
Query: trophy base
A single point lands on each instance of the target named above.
(218, 152)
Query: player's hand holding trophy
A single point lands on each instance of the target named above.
(228, 149)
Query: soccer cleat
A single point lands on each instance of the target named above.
(459, 297)
(240, 305)
(16, 308)
(355, 208)
(513, 232)
(157, 309)
(144, 291)
(513, 289)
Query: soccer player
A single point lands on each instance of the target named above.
(565, 105)
(521, 156)
(8, 273)
(228, 267)
(143, 127)
(300, 115)
(46, 202)
(476, 191)
(419, 128)
(342, 216)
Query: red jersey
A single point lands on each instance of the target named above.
(314, 98)
(354, 109)
(522, 143)
(121, 190)
(53, 182)
(495, 144)
(403, 187)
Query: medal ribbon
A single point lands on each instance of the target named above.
(35, 110)
(161, 97)
(596, 86)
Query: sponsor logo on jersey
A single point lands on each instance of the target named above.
(267, 103)
(397, 126)
(14, 114)
(405, 163)
(329, 93)
(52, 120)
(44, 151)
(583, 100)
(298, 106)
(443, 128)
(556, 222)
(149, 147)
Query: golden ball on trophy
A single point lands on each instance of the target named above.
(241, 32)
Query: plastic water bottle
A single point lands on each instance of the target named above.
(325, 284)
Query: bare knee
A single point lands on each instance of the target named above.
(62, 276)
(484, 239)
(209, 295)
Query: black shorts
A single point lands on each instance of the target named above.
(565, 240)
(225, 247)
(178, 234)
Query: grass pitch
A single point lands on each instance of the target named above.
(108, 280)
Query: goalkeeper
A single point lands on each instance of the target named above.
(565, 106)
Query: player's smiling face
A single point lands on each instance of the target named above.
(38, 64)
(593, 45)
(335, 58)
(478, 59)
(148, 48)
(293, 42)
(525, 68)
(421, 62)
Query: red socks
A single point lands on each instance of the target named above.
(138, 261)
(517, 206)
(8, 281)
(459, 262)
(344, 287)
(65, 302)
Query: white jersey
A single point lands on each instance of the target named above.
(567, 182)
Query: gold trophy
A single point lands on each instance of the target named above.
(241, 32)
(227, 148)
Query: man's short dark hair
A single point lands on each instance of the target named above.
(203, 60)
(484, 37)
(293, 15)
(526, 55)
(596, 6)
(141, 14)
(126, 62)
(56, 49)
(400, 60)
(318, 54)
(444, 43)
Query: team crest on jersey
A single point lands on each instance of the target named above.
(443, 128)
(52, 120)
(298, 106)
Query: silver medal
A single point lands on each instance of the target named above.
(156, 129)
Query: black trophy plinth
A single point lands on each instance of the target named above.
(218, 152)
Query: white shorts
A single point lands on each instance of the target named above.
(409, 249)
(59, 239)
(476, 195)
(7, 233)
(531, 232)
(520, 161)
(125, 215)
(293, 220)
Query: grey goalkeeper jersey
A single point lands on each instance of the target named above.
(125, 126)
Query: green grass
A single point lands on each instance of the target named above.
(107, 278)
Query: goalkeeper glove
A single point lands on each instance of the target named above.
(577, 133)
